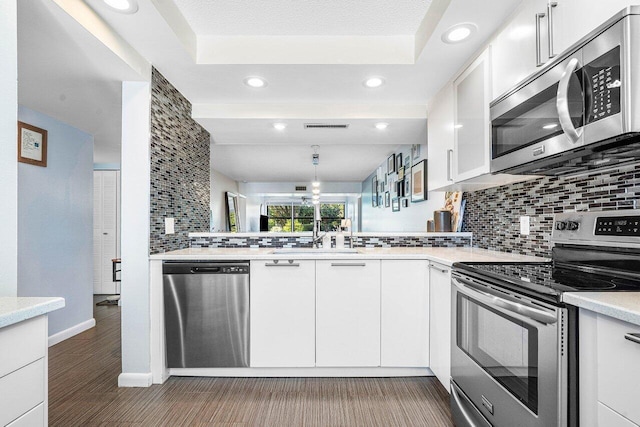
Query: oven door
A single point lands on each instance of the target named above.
(506, 356)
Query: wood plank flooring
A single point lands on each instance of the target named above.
(83, 391)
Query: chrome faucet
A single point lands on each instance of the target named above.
(316, 226)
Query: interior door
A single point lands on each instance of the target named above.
(105, 230)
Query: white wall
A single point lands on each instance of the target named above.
(135, 176)
(220, 184)
(413, 218)
(55, 231)
(8, 147)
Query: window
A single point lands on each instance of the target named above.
(283, 215)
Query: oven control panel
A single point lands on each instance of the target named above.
(618, 226)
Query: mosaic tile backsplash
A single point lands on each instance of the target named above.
(179, 168)
(493, 215)
(305, 242)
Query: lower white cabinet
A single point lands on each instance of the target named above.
(348, 313)
(23, 373)
(282, 313)
(440, 322)
(609, 371)
(405, 313)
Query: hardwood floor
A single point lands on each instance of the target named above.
(83, 391)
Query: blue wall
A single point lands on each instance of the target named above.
(55, 222)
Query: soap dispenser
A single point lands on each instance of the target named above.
(340, 239)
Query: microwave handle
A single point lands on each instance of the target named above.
(562, 102)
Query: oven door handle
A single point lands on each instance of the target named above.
(562, 102)
(489, 298)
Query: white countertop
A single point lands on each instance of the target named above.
(17, 309)
(446, 256)
(620, 305)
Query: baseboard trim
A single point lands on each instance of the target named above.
(126, 379)
(74, 330)
(301, 372)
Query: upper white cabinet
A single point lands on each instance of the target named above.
(405, 313)
(348, 313)
(472, 94)
(440, 323)
(440, 137)
(283, 313)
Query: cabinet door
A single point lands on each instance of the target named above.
(282, 314)
(348, 313)
(472, 89)
(440, 135)
(405, 313)
(440, 322)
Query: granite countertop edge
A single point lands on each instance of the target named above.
(623, 306)
(17, 309)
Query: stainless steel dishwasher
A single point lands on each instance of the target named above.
(206, 314)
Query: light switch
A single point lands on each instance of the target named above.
(169, 225)
(524, 225)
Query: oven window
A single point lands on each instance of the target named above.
(536, 119)
(505, 348)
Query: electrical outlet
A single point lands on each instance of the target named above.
(169, 225)
(524, 225)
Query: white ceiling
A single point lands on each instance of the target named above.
(64, 72)
(168, 39)
(304, 17)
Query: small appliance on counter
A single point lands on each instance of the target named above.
(514, 351)
(442, 221)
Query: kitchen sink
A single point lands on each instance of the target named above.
(302, 251)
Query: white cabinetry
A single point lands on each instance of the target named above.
(283, 313)
(440, 322)
(472, 149)
(440, 137)
(106, 231)
(348, 313)
(609, 371)
(405, 313)
(23, 373)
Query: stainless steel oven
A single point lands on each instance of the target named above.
(508, 355)
(580, 112)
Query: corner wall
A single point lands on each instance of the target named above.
(180, 174)
(55, 227)
(493, 215)
(220, 184)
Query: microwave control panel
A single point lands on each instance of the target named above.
(618, 226)
(602, 80)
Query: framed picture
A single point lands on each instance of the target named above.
(400, 173)
(407, 162)
(407, 185)
(405, 203)
(415, 151)
(399, 161)
(395, 204)
(400, 188)
(419, 182)
(391, 164)
(32, 145)
(380, 200)
(374, 191)
(387, 199)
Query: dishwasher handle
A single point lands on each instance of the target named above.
(205, 270)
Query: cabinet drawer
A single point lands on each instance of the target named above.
(21, 390)
(618, 367)
(33, 418)
(609, 418)
(22, 343)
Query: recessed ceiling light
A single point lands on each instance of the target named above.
(373, 82)
(122, 6)
(459, 32)
(382, 126)
(550, 126)
(280, 126)
(255, 82)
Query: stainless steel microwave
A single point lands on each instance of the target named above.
(580, 112)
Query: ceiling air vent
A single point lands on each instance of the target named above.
(324, 126)
(301, 188)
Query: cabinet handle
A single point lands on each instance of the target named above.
(348, 264)
(433, 267)
(633, 337)
(550, 7)
(277, 264)
(539, 16)
(449, 161)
